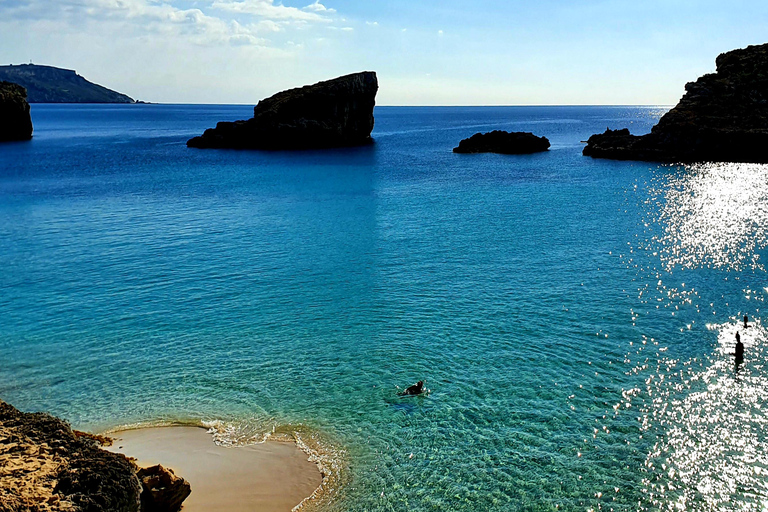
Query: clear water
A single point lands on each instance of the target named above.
(572, 317)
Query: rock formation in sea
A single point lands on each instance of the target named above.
(333, 113)
(15, 121)
(497, 141)
(722, 117)
(48, 84)
(45, 466)
(163, 491)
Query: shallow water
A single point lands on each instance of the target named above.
(572, 317)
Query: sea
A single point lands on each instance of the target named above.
(574, 318)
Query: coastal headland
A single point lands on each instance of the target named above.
(49, 84)
(722, 117)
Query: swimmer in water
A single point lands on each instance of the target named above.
(416, 389)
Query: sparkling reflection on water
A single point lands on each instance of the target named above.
(708, 415)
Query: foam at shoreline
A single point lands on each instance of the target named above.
(233, 471)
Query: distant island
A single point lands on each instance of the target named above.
(333, 113)
(47, 84)
(723, 117)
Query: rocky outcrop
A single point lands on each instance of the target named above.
(163, 491)
(15, 121)
(497, 141)
(333, 113)
(45, 467)
(722, 117)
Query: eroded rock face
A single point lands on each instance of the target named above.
(497, 141)
(45, 467)
(333, 113)
(723, 117)
(163, 491)
(15, 121)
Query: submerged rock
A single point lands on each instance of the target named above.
(44, 466)
(497, 141)
(163, 491)
(15, 121)
(333, 113)
(722, 117)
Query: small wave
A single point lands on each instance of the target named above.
(328, 456)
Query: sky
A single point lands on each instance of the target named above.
(449, 52)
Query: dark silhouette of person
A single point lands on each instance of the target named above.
(745, 321)
(416, 389)
(739, 354)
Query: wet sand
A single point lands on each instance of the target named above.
(271, 477)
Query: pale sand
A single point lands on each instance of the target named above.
(270, 477)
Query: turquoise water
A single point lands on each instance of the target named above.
(572, 317)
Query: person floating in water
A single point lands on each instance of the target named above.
(745, 321)
(416, 389)
(739, 354)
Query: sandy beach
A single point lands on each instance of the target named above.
(270, 477)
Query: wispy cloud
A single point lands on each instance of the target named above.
(239, 22)
(276, 12)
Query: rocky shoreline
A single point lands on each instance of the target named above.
(15, 120)
(45, 466)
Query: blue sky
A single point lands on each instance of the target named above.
(447, 52)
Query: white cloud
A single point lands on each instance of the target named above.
(275, 12)
(372, 23)
(318, 7)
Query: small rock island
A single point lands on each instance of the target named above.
(723, 117)
(333, 113)
(508, 143)
(15, 121)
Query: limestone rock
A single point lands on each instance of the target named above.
(15, 121)
(497, 141)
(45, 467)
(723, 117)
(333, 113)
(163, 491)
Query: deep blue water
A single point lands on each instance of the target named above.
(572, 317)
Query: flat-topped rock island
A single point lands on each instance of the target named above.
(334, 113)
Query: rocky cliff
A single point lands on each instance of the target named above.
(333, 113)
(45, 466)
(15, 121)
(723, 116)
(497, 141)
(48, 84)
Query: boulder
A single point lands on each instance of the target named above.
(45, 467)
(15, 121)
(497, 141)
(163, 491)
(723, 117)
(333, 113)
